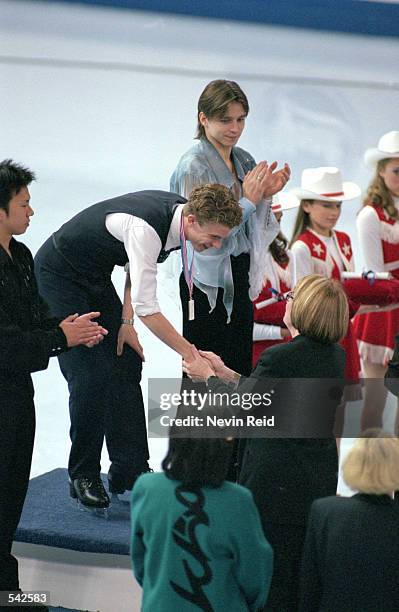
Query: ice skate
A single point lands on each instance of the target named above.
(90, 495)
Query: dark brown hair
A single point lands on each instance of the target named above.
(215, 98)
(278, 249)
(12, 178)
(198, 462)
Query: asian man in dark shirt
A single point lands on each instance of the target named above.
(29, 336)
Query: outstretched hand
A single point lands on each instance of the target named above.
(216, 362)
(197, 368)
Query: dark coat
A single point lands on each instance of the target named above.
(392, 373)
(29, 335)
(350, 561)
(285, 475)
(28, 338)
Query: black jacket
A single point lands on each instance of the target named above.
(392, 373)
(286, 474)
(350, 561)
(29, 336)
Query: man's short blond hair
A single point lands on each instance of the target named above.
(320, 308)
(213, 203)
(372, 465)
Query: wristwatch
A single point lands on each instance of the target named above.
(127, 321)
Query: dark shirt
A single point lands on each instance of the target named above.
(392, 373)
(29, 336)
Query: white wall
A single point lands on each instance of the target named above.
(100, 102)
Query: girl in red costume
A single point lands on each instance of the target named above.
(269, 328)
(316, 246)
(378, 227)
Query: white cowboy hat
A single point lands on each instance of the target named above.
(388, 146)
(284, 201)
(325, 184)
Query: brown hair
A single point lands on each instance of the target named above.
(320, 308)
(215, 98)
(302, 221)
(372, 464)
(213, 203)
(278, 249)
(378, 193)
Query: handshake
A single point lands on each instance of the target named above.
(201, 365)
(83, 330)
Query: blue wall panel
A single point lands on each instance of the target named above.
(354, 16)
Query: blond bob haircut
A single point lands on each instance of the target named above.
(320, 308)
(372, 465)
(213, 203)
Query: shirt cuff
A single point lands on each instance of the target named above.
(143, 310)
(248, 208)
(59, 343)
(263, 331)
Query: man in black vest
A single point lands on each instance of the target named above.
(74, 269)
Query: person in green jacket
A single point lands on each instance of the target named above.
(197, 541)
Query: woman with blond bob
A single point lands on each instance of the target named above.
(320, 309)
(287, 474)
(351, 553)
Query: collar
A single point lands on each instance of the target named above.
(374, 499)
(303, 338)
(3, 253)
(218, 165)
(320, 237)
(173, 239)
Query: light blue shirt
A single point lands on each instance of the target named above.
(212, 268)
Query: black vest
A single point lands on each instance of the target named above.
(91, 250)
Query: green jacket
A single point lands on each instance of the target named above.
(198, 551)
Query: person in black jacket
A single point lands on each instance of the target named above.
(74, 268)
(28, 338)
(286, 473)
(350, 560)
(392, 373)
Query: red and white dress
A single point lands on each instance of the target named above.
(328, 256)
(268, 321)
(379, 240)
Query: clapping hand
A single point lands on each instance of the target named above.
(83, 330)
(263, 181)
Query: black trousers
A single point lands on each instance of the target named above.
(231, 341)
(211, 332)
(287, 542)
(105, 398)
(17, 432)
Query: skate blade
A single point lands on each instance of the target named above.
(97, 512)
(120, 499)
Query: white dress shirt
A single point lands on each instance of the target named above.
(143, 245)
